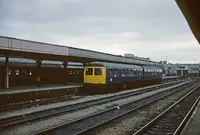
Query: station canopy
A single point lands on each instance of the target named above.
(191, 11)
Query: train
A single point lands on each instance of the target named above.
(95, 75)
(25, 72)
(107, 76)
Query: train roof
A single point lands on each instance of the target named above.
(45, 63)
(123, 66)
(114, 65)
(152, 68)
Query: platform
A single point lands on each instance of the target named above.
(170, 77)
(33, 93)
(193, 125)
(39, 88)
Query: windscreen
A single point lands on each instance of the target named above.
(89, 71)
(98, 71)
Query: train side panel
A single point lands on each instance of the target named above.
(122, 77)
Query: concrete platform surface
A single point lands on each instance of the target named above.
(39, 88)
(170, 77)
(193, 125)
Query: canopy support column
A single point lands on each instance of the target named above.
(38, 63)
(65, 76)
(7, 73)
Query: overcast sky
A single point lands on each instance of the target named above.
(146, 28)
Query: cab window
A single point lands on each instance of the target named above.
(89, 71)
(98, 71)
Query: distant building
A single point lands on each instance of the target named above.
(185, 70)
(129, 55)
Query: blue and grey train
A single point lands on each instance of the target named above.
(111, 75)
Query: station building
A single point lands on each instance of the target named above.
(184, 70)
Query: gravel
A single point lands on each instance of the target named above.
(59, 104)
(130, 123)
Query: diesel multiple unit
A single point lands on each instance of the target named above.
(104, 75)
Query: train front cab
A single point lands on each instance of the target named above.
(94, 77)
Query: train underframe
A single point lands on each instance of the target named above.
(113, 87)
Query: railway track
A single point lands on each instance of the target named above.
(7, 122)
(173, 119)
(87, 124)
(38, 102)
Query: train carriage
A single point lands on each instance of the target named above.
(111, 75)
(152, 73)
(25, 72)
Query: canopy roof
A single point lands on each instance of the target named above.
(191, 11)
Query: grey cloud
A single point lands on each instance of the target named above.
(136, 24)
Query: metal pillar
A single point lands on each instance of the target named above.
(182, 72)
(38, 62)
(84, 64)
(6, 73)
(65, 63)
(65, 76)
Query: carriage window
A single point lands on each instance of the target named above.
(131, 73)
(122, 72)
(30, 73)
(134, 73)
(89, 71)
(111, 73)
(25, 72)
(98, 71)
(10, 72)
(118, 72)
(70, 72)
(126, 72)
(137, 73)
(17, 72)
(140, 73)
